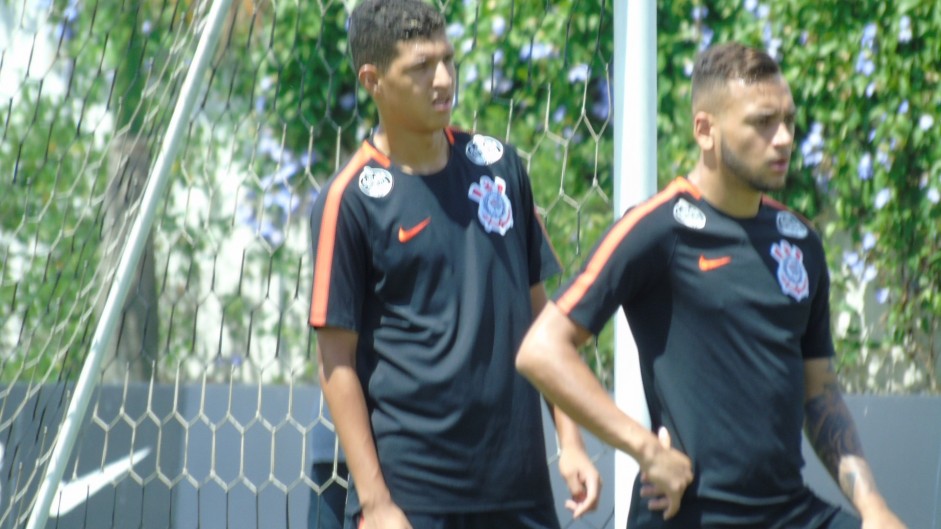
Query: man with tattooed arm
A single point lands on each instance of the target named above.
(727, 295)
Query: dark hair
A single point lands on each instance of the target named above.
(377, 25)
(730, 61)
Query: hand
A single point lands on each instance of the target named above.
(665, 476)
(384, 515)
(882, 518)
(582, 478)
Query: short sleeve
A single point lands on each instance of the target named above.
(339, 252)
(543, 261)
(632, 255)
(817, 341)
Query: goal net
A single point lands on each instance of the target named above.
(207, 412)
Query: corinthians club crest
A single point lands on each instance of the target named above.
(791, 272)
(494, 210)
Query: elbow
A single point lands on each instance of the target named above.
(527, 359)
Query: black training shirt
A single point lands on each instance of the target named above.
(434, 273)
(724, 312)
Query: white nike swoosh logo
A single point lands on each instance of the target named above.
(73, 493)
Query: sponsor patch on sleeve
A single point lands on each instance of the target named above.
(484, 150)
(791, 226)
(375, 182)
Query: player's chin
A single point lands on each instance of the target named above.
(775, 179)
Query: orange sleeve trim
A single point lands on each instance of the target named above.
(449, 132)
(326, 239)
(375, 154)
(610, 243)
(765, 199)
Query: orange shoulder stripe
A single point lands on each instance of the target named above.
(609, 244)
(778, 205)
(326, 239)
(373, 153)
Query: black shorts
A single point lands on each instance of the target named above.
(804, 511)
(537, 518)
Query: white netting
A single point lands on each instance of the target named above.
(208, 406)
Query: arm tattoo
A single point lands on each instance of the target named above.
(833, 435)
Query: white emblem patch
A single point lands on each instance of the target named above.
(375, 182)
(484, 150)
(791, 226)
(791, 272)
(689, 215)
(494, 212)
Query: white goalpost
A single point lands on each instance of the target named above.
(635, 169)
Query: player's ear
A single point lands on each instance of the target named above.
(704, 130)
(368, 76)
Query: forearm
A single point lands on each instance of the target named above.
(833, 434)
(571, 386)
(570, 436)
(344, 395)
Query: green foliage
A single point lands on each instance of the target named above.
(283, 111)
(58, 128)
(866, 162)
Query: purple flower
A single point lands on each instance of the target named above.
(933, 195)
(882, 198)
(864, 65)
(706, 38)
(882, 157)
(71, 11)
(925, 122)
(869, 241)
(455, 30)
(870, 89)
(850, 259)
(498, 26)
(470, 73)
(774, 48)
(864, 168)
(812, 146)
(699, 13)
(751, 6)
(905, 29)
(869, 36)
(903, 107)
(271, 233)
(578, 73)
(882, 296)
(601, 108)
(536, 51)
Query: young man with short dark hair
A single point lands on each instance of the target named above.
(428, 269)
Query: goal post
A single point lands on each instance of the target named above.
(635, 169)
(127, 267)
